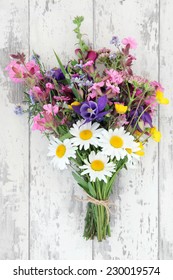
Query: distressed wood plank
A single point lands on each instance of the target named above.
(14, 138)
(166, 125)
(135, 224)
(57, 220)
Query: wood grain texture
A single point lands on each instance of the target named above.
(14, 138)
(135, 223)
(57, 220)
(166, 127)
(39, 217)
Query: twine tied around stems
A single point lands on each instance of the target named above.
(105, 203)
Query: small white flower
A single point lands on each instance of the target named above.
(85, 134)
(115, 142)
(134, 153)
(61, 152)
(98, 167)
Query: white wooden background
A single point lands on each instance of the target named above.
(39, 218)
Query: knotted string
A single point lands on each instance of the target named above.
(104, 203)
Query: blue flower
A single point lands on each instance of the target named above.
(115, 41)
(18, 110)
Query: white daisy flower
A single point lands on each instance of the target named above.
(85, 134)
(115, 142)
(133, 154)
(61, 152)
(98, 167)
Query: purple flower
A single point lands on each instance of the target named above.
(115, 41)
(57, 74)
(112, 56)
(18, 110)
(32, 99)
(145, 117)
(91, 110)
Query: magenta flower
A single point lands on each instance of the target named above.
(92, 55)
(130, 41)
(50, 86)
(138, 92)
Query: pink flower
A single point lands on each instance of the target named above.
(121, 120)
(151, 100)
(50, 86)
(32, 67)
(38, 93)
(95, 90)
(114, 76)
(157, 85)
(113, 88)
(92, 95)
(37, 90)
(138, 79)
(130, 60)
(97, 85)
(89, 63)
(138, 92)
(52, 110)
(39, 123)
(130, 41)
(61, 98)
(16, 72)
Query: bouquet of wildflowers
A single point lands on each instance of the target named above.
(96, 114)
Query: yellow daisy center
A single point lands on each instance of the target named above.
(60, 151)
(97, 165)
(129, 150)
(86, 134)
(116, 141)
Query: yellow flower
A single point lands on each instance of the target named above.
(160, 97)
(120, 108)
(155, 134)
(75, 103)
(141, 152)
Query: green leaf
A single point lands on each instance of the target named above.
(65, 136)
(67, 77)
(80, 181)
(78, 20)
(91, 189)
(62, 67)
